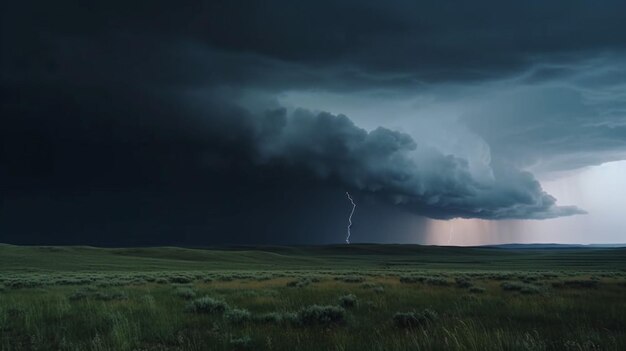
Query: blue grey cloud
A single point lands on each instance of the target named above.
(395, 168)
(164, 101)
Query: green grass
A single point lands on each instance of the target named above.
(357, 297)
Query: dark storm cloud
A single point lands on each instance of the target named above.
(88, 140)
(391, 166)
(361, 43)
(135, 118)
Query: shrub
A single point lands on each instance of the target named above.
(521, 287)
(437, 281)
(347, 301)
(23, 283)
(351, 279)
(238, 316)
(290, 317)
(409, 319)
(300, 283)
(71, 281)
(180, 279)
(110, 296)
(501, 276)
(78, 295)
(111, 283)
(581, 283)
(549, 275)
(242, 343)
(414, 319)
(379, 290)
(463, 282)
(430, 314)
(321, 315)
(426, 280)
(186, 293)
(512, 286)
(411, 279)
(207, 305)
(271, 318)
(161, 281)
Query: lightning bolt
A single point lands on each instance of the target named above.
(451, 231)
(350, 217)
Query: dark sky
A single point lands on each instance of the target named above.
(229, 122)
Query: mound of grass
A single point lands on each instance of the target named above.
(207, 305)
(241, 343)
(24, 283)
(351, 279)
(411, 279)
(348, 301)
(238, 316)
(186, 293)
(300, 283)
(321, 315)
(276, 318)
(181, 279)
(269, 318)
(436, 281)
(78, 295)
(463, 282)
(110, 296)
(374, 287)
(521, 287)
(414, 319)
(577, 283)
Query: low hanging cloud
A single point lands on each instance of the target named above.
(393, 167)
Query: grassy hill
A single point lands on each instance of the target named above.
(340, 297)
(336, 257)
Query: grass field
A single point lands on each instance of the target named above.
(357, 297)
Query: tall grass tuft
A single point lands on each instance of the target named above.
(321, 315)
(347, 301)
(414, 319)
(207, 305)
(238, 316)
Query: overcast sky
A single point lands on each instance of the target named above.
(245, 122)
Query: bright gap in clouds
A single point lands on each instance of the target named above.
(600, 190)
